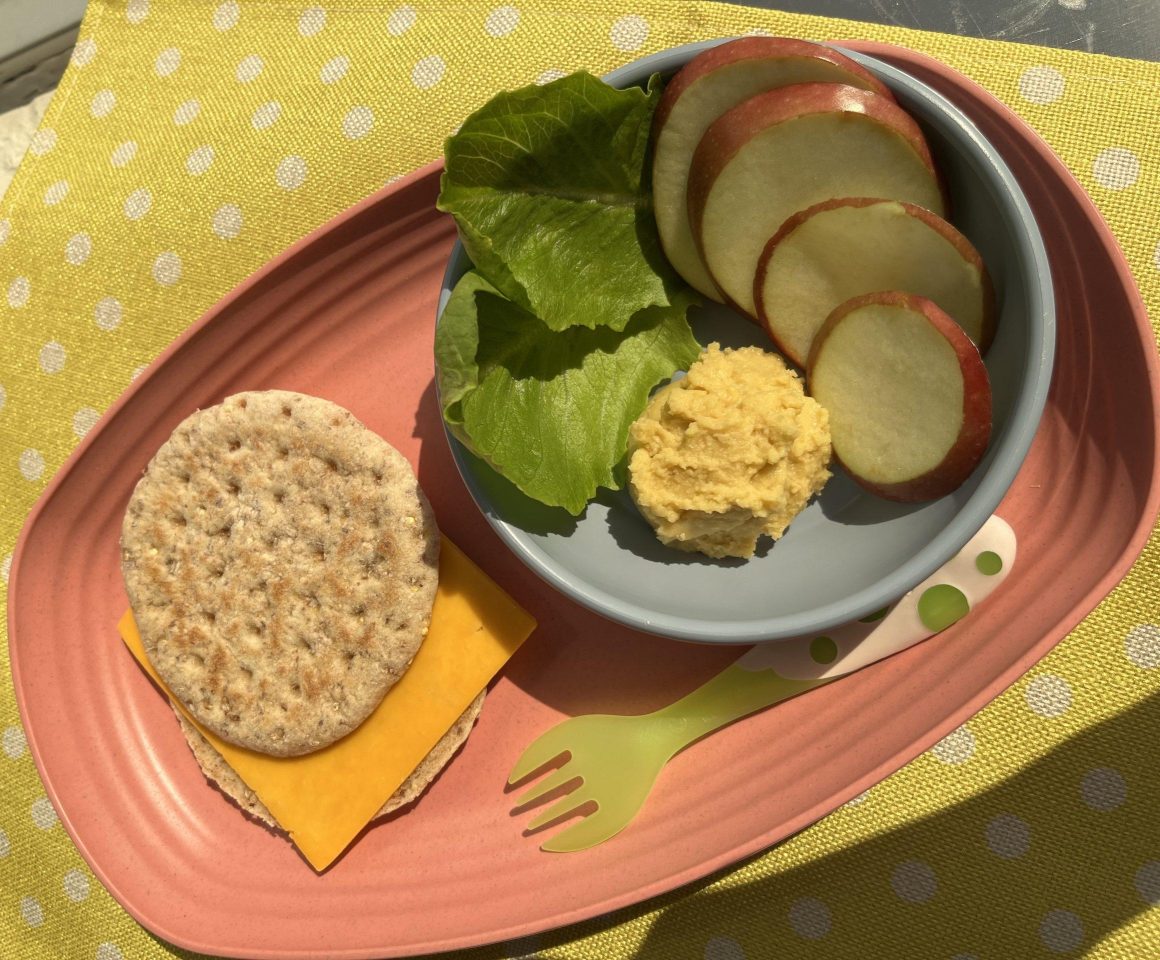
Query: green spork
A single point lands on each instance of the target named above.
(614, 761)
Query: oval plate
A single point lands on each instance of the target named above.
(347, 313)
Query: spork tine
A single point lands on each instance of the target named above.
(616, 759)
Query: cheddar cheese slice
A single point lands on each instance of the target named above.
(323, 799)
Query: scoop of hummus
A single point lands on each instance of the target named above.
(732, 451)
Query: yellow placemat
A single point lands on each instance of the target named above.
(189, 142)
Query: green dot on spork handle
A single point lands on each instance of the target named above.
(941, 605)
(988, 563)
(823, 650)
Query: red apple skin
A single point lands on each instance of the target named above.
(947, 230)
(758, 48)
(975, 434)
(735, 128)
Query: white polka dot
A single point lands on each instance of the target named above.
(83, 421)
(334, 70)
(1147, 882)
(31, 464)
(167, 61)
(1116, 168)
(3, 396)
(914, 881)
(225, 17)
(137, 371)
(1155, 255)
(227, 221)
(1041, 85)
(358, 122)
(291, 173)
(56, 193)
(109, 951)
(186, 113)
(107, 313)
(137, 10)
(723, 948)
(1061, 931)
(42, 141)
(124, 153)
(1008, 836)
(137, 204)
(810, 918)
(78, 249)
(84, 52)
(5, 567)
(1142, 644)
(199, 160)
(76, 886)
(265, 115)
(167, 268)
(858, 800)
(1048, 696)
(52, 357)
(401, 20)
(43, 815)
(1103, 789)
(31, 911)
(629, 33)
(5, 230)
(428, 72)
(102, 103)
(15, 743)
(956, 747)
(249, 69)
(5, 844)
(501, 21)
(549, 75)
(1073, 4)
(312, 21)
(19, 292)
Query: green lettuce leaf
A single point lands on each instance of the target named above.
(549, 190)
(550, 410)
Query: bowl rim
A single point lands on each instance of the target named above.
(1022, 423)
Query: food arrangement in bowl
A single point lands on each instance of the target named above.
(855, 390)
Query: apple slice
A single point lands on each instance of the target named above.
(785, 150)
(907, 392)
(839, 249)
(707, 86)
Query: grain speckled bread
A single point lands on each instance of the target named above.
(226, 779)
(281, 563)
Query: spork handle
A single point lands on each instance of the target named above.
(771, 672)
(733, 693)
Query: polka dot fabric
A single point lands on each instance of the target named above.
(189, 143)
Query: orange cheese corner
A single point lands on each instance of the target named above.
(323, 799)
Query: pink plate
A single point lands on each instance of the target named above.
(348, 314)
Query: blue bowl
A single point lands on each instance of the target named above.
(849, 553)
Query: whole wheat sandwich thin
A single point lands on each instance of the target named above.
(282, 565)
